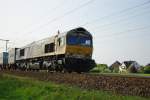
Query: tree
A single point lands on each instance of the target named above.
(103, 68)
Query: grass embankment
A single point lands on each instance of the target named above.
(19, 88)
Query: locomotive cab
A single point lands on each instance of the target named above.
(79, 44)
(79, 48)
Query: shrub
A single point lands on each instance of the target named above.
(107, 70)
(141, 69)
(100, 68)
(147, 69)
(95, 70)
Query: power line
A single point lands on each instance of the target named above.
(4, 40)
(83, 5)
(120, 20)
(65, 14)
(51, 10)
(6, 43)
(129, 30)
(116, 13)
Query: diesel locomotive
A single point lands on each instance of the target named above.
(68, 51)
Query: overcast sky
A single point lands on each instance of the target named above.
(120, 28)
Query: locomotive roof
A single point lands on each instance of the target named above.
(79, 30)
(51, 38)
(40, 41)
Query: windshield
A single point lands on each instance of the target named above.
(80, 40)
(72, 40)
(84, 41)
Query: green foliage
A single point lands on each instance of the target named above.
(141, 70)
(101, 68)
(107, 70)
(147, 69)
(95, 70)
(18, 88)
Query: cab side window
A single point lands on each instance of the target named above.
(22, 52)
(49, 47)
(61, 41)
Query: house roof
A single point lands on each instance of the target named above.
(148, 64)
(131, 64)
(115, 64)
(128, 63)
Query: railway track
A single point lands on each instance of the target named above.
(126, 85)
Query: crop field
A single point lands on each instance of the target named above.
(23, 88)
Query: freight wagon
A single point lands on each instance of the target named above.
(3, 60)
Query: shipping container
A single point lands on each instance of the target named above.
(4, 58)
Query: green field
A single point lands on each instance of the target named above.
(19, 88)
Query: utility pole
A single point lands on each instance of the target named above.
(6, 43)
